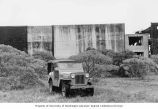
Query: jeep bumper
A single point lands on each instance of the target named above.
(81, 87)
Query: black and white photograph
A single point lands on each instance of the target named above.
(78, 53)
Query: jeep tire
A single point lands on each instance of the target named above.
(51, 87)
(91, 91)
(65, 90)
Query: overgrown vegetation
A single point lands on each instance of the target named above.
(138, 67)
(43, 56)
(90, 59)
(18, 69)
(118, 57)
(109, 90)
(107, 63)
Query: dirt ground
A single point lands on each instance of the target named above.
(113, 90)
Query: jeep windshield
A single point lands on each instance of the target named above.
(70, 65)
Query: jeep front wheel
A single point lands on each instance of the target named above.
(50, 87)
(65, 90)
(91, 91)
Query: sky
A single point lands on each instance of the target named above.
(136, 14)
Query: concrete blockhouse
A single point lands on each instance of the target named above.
(63, 41)
(137, 43)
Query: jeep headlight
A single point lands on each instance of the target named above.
(87, 75)
(72, 75)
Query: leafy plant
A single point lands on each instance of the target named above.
(137, 67)
(90, 58)
(17, 68)
(106, 70)
(118, 57)
(43, 56)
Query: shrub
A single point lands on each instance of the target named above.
(137, 67)
(28, 79)
(43, 56)
(154, 58)
(90, 48)
(10, 83)
(151, 66)
(106, 70)
(90, 58)
(17, 68)
(118, 57)
(109, 53)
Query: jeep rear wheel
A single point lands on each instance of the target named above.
(65, 90)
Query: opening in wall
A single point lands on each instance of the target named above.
(139, 53)
(135, 41)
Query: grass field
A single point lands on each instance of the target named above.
(113, 90)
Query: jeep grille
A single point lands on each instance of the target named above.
(79, 79)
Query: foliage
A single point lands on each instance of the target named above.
(118, 57)
(90, 58)
(90, 48)
(154, 58)
(106, 70)
(43, 56)
(18, 66)
(137, 67)
(109, 53)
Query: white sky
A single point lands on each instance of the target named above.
(136, 14)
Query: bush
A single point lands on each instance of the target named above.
(43, 56)
(17, 68)
(28, 79)
(90, 58)
(151, 66)
(118, 57)
(24, 80)
(10, 83)
(90, 48)
(109, 53)
(154, 58)
(137, 67)
(106, 70)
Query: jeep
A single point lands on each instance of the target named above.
(68, 76)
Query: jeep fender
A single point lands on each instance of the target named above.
(68, 82)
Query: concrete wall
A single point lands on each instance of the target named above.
(143, 48)
(63, 41)
(154, 38)
(39, 39)
(15, 36)
(73, 39)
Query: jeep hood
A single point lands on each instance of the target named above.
(68, 71)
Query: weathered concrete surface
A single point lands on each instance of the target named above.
(140, 48)
(39, 39)
(65, 40)
(73, 39)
